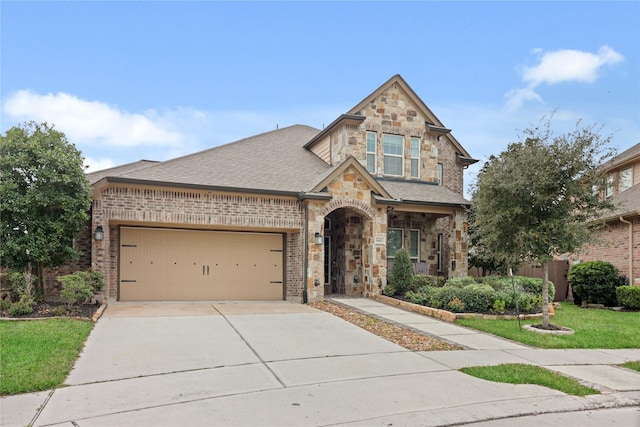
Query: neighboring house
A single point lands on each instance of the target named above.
(619, 241)
(289, 214)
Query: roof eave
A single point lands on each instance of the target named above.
(344, 118)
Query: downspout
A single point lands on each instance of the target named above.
(630, 224)
(306, 254)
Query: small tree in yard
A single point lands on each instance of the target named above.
(536, 199)
(44, 198)
(401, 277)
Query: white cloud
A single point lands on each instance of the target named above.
(570, 65)
(565, 65)
(96, 165)
(91, 122)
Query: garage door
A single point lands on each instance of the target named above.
(174, 265)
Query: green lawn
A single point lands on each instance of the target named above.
(37, 355)
(635, 365)
(593, 328)
(516, 373)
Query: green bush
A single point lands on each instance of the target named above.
(419, 298)
(499, 306)
(629, 296)
(19, 285)
(456, 305)
(422, 280)
(594, 282)
(493, 281)
(389, 290)
(461, 282)
(5, 304)
(75, 288)
(22, 307)
(478, 298)
(402, 272)
(440, 281)
(534, 286)
(529, 303)
(94, 278)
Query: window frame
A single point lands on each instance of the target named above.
(414, 158)
(610, 183)
(371, 153)
(630, 178)
(385, 154)
(417, 248)
(401, 230)
(439, 252)
(440, 173)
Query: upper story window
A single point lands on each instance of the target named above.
(415, 157)
(393, 154)
(440, 171)
(371, 152)
(626, 178)
(608, 190)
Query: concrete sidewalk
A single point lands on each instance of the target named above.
(274, 364)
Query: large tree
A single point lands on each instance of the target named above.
(536, 199)
(44, 198)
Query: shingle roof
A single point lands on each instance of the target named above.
(272, 161)
(626, 203)
(422, 192)
(96, 176)
(623, 157)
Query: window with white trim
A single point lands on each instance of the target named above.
(608, 191)
(626, 178)
(439, 251)
(393, 154)
(415, 157)
(371, 152)
(414, 244)
(440, 171)
(394, 241)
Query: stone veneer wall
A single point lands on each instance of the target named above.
(194, 209)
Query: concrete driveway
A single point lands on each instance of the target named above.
(275, 364)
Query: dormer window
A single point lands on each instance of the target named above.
(393, 154)
(371, 152)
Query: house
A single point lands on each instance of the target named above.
(294, 213)
(618, 242)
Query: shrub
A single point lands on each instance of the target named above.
(22, 284)
(417, 297)
(93, 278)
(402, 272)
(528, 303)
(75, 288)
(456, 305)
(5, 304)
(440, 281)
(389, 290)
(594, 282)
(534, 286)
(461, 282)
(499, 306)
(22, 307)
(422, 280)
(629, 296)
(59, 311)
(478, 298)
(493, 281)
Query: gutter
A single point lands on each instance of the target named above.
(630, 226)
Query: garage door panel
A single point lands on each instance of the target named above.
(169, 264)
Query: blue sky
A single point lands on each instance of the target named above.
(153, 80)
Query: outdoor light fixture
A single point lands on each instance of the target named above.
(318, 238)
(99, 233)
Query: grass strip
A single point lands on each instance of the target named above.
(594, 328)
(635, 365)
(38, 355)
(517, 373)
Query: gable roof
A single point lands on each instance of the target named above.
(337, 170)
(269, 162)
(425, 193)
(96, 176)
(433, 121)
(628, 155)
(626, 204)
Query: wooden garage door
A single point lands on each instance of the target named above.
(174, 265)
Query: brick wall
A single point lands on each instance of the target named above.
(613, 246)
(194, 209)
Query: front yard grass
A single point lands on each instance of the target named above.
(37, 355)
(517, 373)
(635, 365)
(594, 328)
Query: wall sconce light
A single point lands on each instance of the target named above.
(318, 240)
(99, 233)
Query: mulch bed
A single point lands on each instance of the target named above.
(45, 310)
(404, 337)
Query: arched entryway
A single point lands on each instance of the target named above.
(347, 239)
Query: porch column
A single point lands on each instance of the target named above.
(314, 280)
(459, 244)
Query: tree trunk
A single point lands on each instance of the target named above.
(545, 295)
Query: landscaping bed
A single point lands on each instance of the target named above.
(43, 310)
(404, 337)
